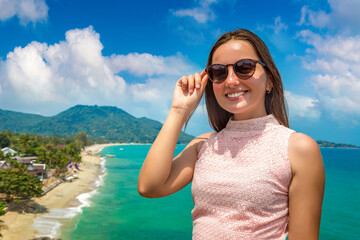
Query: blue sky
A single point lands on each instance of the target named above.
(55, 54)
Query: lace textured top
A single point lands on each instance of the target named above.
(241, 181)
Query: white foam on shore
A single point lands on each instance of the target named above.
(100, 180)
(48, 225)
(98, 151)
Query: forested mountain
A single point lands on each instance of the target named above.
(18, 122)
(101, 122)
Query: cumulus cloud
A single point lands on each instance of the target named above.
(45, 79)
(201, 13)
(63, 73)
(302, 106)
(335, 61)
(26, 10)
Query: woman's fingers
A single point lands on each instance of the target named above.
(193, 82)
(184, 83)
(197, 80)
(203, 73)
(204, 78)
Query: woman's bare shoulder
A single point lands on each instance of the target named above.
(302, 143)
(304, 152)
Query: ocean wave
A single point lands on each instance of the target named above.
(46, 227)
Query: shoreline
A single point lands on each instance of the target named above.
(61, 204)
(341, 147)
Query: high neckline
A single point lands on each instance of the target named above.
(252, 125)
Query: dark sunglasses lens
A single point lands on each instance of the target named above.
(244, 69)
(217, 73)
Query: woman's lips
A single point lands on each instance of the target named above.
(235, 95)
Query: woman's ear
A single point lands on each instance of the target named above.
(269, 84)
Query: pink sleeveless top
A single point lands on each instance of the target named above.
(241, 182)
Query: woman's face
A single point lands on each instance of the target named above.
(244, 98)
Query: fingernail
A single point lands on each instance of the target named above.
(197, 85)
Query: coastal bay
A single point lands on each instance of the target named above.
(117, 211)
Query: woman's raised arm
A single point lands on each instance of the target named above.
(161, 175)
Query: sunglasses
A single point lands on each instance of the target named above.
(244, 69)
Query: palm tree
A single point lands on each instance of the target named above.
(25, 142)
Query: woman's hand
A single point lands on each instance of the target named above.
(188, 91)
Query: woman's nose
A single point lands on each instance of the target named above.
(231, 79)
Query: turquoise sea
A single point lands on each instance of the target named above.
(117, 211)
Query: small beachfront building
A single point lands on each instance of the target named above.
(8, 150)
(36, 169)
(4, 165)
(25, 160)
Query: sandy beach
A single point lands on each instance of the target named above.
(20, 224)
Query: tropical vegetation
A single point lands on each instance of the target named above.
(16, 183)
(55, 152)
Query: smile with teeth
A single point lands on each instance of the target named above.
(234, 95)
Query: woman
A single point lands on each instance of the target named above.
(253, 178)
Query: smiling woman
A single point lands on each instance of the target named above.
(234, 93)
(254, 178)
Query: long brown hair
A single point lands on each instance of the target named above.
(274, 101)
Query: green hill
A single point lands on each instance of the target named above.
(326, 144)
(103, 122)
(18, 122)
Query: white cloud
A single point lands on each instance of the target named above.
(147, 64)
(153, 99)
(348, 10)
(339, 94)
(46, 79)
(201, 14)
(339, 46)
(335, 60)
(343, 15)
(302, 106)
(277, 34)
(26, 10)
(70, 71)
(277, 27)
(318, 19)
